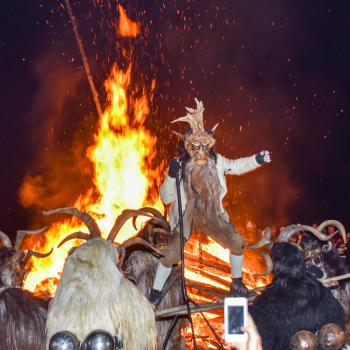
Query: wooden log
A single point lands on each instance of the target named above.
(209, 260)
(211, 290)
(182, 310)
(210, 276)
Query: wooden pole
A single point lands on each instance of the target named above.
(84, 58)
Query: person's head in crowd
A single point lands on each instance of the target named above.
(330, 230)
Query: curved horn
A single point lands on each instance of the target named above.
(287, 233)
(264, 241)
(317, 233)
(75, 235)
(140, 241)
(83, 216)
(153, 211)
(336, 224)
(291, 230)
(160, 222)
(31, 253)
(268, 264)
(327, 247)
(5, 240)
(40, 255)
(22, 233)
(162, 231)
(121, 219)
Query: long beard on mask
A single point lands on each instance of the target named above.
(202, 188)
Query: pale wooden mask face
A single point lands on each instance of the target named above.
(198, 146)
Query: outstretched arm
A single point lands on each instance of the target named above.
(244, 165)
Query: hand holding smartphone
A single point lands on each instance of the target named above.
(235, 317)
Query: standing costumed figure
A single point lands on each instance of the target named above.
(203, 186)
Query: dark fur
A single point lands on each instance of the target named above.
(332, 265)
(140, 267)
(22, 321)
(294, 301)
(11, 267)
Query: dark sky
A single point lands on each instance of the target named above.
(275, 74)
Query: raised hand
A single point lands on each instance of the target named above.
(263, 157)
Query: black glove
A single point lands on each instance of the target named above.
(260, 157)
(174, 167)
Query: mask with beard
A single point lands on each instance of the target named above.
(199, 142)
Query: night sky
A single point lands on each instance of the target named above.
(274, 74)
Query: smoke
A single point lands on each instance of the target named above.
(59, 134)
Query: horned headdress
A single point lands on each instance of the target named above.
(199, 136)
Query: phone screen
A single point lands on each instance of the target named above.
(235, 319)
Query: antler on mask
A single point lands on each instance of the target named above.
(199, 141)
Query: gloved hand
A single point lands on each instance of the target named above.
(174, 167)
(263, 157)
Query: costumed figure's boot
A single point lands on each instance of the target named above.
(161, 277)
(238, 289)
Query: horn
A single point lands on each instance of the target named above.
(83, 216)
(160, 222)
(327, 247)
(157, 219)
(268, 264)
(121, 219)
(291, 230)
(5, 240)
(153, 211)
(150, 234)
(31, 253)
(287, 233)
(139, 241)
(194, 116)
(336, 224)
(188, 119)
(214, 127)
(22, 233)
(75, 235)
(264, 241)
(178, 134)
(162, 231)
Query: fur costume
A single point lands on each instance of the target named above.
(294, 301)
(93, 294)
(140, 267)
(22, 320)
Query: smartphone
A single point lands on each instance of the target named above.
(235, 317)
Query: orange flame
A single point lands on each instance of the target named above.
(122, 154)
(126, 27)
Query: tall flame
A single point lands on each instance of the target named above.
(122, 155)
